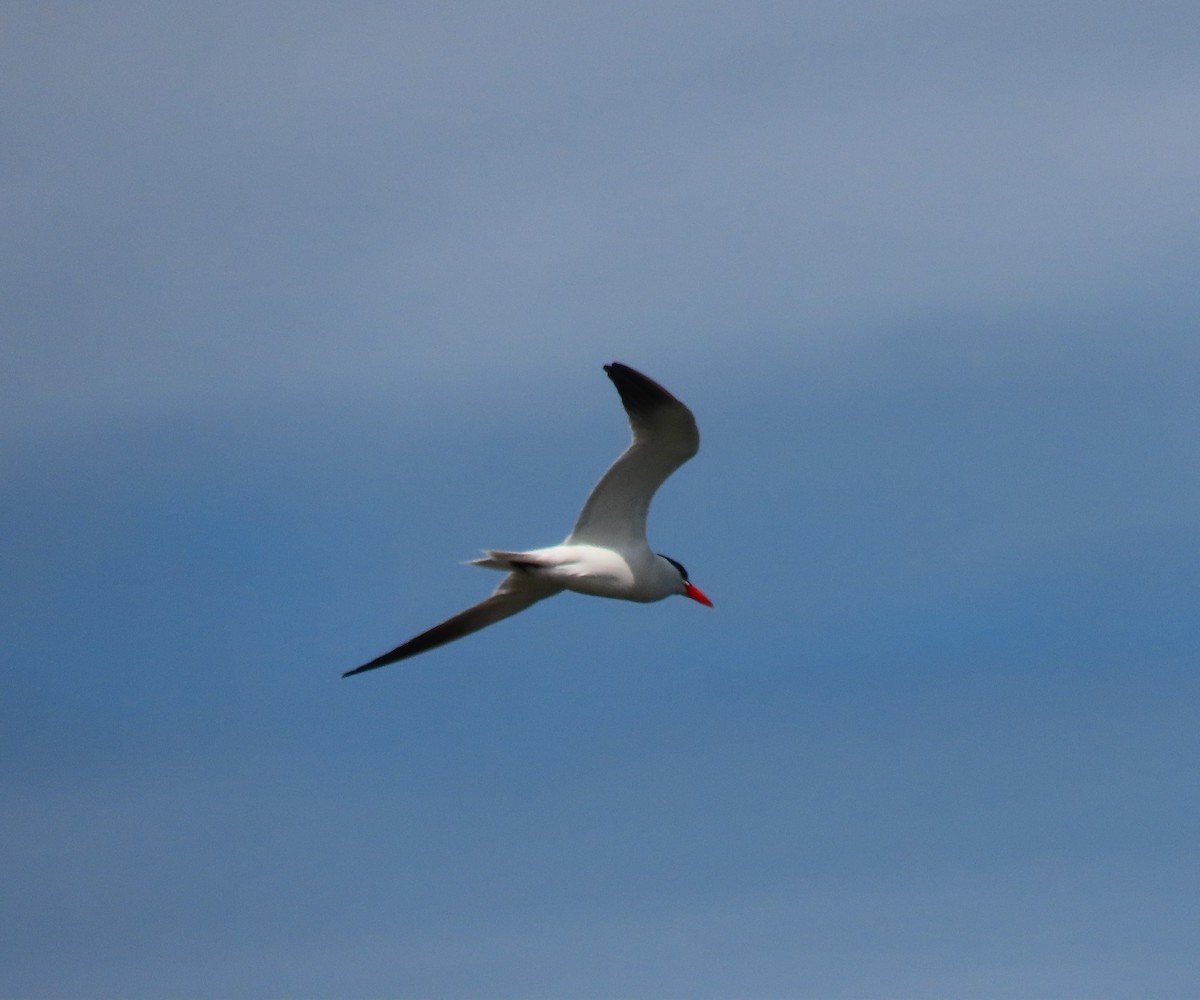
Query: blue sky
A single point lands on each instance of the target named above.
(304, 304)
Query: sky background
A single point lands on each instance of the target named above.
(303, 304)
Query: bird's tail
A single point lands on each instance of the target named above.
(507, 561)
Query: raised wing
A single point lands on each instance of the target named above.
(664, 437)
(515, 594)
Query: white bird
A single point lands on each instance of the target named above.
(606, 553)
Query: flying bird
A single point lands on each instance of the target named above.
(606, 553)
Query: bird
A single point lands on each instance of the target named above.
(606, 554)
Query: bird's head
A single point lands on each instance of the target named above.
(686, 587)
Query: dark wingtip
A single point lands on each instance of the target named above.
(636, 390)
(379, 661)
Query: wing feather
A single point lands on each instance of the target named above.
(664, 437)
(514, 595)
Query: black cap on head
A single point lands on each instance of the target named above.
(678, 565)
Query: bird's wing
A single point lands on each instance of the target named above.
(664, 437)
(515, 593)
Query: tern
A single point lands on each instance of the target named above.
(606, 553)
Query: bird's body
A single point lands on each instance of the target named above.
(591, 569)
(606, 554)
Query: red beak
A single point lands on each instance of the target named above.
(696, 594)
